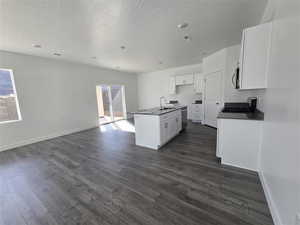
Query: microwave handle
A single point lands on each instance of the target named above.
(233, 80)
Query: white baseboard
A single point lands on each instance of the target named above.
(43, 138)
(271, 203)
(238, 166)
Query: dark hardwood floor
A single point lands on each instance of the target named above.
(101, 177)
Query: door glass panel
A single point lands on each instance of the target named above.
(111, 103)
(104, 108)
(117, 102)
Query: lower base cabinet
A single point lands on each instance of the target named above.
(238, 142)
(196, 113)
(170, 126)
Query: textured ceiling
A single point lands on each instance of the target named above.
(82, 29)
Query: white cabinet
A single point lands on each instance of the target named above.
(187, 79)
(172, 86)
(198, 83)
(238, 142)
(153, 131)
(170, 126)
(254, 61)
(196, 113)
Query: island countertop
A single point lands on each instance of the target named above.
(157, 111)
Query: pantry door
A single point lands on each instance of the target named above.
(212, 97)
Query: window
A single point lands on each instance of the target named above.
(9, 106)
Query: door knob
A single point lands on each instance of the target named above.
(217, 103)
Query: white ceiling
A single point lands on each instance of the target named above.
(81, 29)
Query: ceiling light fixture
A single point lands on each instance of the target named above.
(187, 38)
(36, 46)
(182, 25)
(57, 54)
(123, 47)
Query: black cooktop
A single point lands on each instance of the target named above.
(236, 107)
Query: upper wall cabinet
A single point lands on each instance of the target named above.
(172, 86)
(254, 61)
(198, 83)
(187, 79)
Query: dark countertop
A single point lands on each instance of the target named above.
(257, 115)
(157, 111)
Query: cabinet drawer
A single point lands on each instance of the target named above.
(197, 115)
(197, 111)
(197, 106)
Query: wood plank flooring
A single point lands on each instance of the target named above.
(101, 177)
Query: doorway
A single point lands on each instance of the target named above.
(212, 98)
(111, 103)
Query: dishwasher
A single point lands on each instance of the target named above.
(184, 117)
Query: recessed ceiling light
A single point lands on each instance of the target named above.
(57, 54)
(123, 47)
(36, 46)
(182, 25)
(187, 38)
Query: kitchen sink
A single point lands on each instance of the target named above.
(166, 108)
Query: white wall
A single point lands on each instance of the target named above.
(151, 86)
(280, 156)
(57, 97)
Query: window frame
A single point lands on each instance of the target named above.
(16, 98)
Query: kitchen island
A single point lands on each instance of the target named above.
(155, 127)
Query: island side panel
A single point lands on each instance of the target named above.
(147, 131)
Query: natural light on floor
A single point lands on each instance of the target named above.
(122, 125)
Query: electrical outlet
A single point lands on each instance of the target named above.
(298, 219)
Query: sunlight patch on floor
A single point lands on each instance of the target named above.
(122, 125)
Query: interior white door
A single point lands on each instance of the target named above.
(212, 98)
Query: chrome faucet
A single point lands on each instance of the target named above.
(161, 105)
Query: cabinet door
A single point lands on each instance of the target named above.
(255, 56)
(164, 131)
(189, 79)
(185, 79)
(179, 80)
(172, 86)
(172, 131)
(198, 83)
